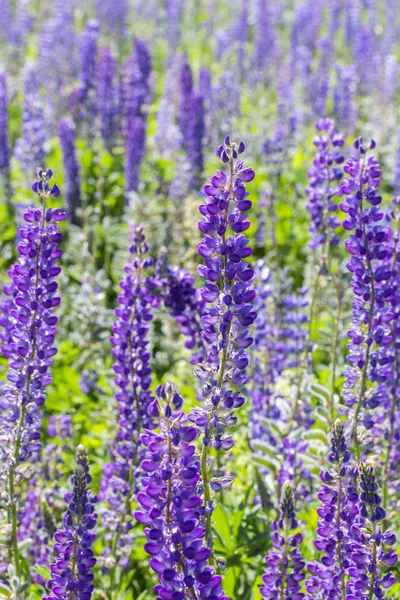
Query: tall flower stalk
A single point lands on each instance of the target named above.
(228, 313)
(133, 380)
(371, 549)
(171, 505)
(369, 246)
(337, 514)
(31, 349)
(71, 573)
(285, 565)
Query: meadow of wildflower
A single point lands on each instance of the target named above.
(199, 299)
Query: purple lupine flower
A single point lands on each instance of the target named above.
(173, 13)
(31, 339)
(323, 178)
(338, 513)
(65, 51)
(272, 353)
(269, 355)
(36, 518)
(4, 144)
(242, 35)
(6, 24)
(335, 13)
(320, 81)
(134, 154)
(57, 53)
(88, 383)
(138, 96)
(264, 35)
(285, 565)
(113, 15)
(227, 100)
(107, 98)
(345, 98)
(71, 573)
(168, 137)
(295, 321)
(369, 247)
(66, 131)
(60, 426)
(30, 147)
(141, 78)
(389, 419)
(228, 294)
(6, 319)
(34, 528)
(172, 507)
(186, 97)
(371, 548)
(47, 55)
(23, 23)
(89, 68)
(133, 379)
(184, 303)
(274, 149)
(206, 90)
(396, 171)
(194, 139)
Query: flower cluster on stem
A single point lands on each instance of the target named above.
(324, 177)
(229, 311)
(71, 573)
(133, 379)
(285, 565)
(172, 507)
(31, 343)
(369, 247)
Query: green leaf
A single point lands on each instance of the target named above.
(264, 462)
(320, 392)
(261, 447)
(315, 434)
(4, 591)
(43, 571)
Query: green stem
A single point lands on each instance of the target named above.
(373, 577)
(207, 498)
(334, 352)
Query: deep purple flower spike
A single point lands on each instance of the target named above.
(71, 573)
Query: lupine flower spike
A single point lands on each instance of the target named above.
(369, 247)
(229, 311)
(31, 336)
(172, 508)
(285, 566)
(337, 514)
(133, 380)
(371, 548)
(71, 573)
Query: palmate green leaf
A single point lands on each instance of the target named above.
(222, 529)
(265, 448)
(320, 392)
(316, 434)
(265, 462)
(43, 571)
(270, 424)
(5, 592)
